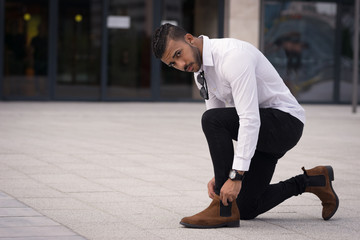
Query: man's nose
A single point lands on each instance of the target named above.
(181, 65)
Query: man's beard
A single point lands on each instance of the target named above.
(197, 56)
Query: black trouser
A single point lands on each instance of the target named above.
(279, 132)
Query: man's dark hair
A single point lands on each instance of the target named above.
(161, 36)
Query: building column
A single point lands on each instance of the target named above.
(242, 20)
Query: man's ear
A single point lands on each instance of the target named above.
(189, 38)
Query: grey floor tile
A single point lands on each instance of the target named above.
(46, 238)
(26, 221)
(35, 192)
(46, 231)
(18, 212)
(54, 203)
(21, 222)
(3, 196)
(10, 203)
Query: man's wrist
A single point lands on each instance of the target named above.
(236, 175)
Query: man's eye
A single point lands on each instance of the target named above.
(178, 53)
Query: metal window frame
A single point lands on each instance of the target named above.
(337, 52)
(52, 51)
(221, 18)
(155, 63)
(2, 42)
(356, 58)
(104, 52)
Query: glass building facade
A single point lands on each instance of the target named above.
(95, 49)
(310, 43)
(99, 50)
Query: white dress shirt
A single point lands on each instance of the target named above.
(239, 75)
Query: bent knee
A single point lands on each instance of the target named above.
(209, 117)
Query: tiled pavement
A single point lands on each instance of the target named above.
(20, 222)
(133, 170)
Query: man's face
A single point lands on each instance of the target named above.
(182, 55)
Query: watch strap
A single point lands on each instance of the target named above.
(238, 176)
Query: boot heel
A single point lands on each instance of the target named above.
(233, 224)
(330, 172)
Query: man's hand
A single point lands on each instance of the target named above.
(211, 188)
(229, 191)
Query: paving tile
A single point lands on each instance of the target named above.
(50, 178)
(112, 231)
(10, 203)
(136, 187)
(19, 183)
(48, 169)
(35, 231)
(35, 192)
(102, 197)
(46, 238)
(26, 221)
(80, 186)
(21, 222)
(186, 233)
(4, 196)
(7, 173)
(54, 203)
(70, 217)
(18, 212)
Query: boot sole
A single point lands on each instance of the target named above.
(331, 178)
(228, 224)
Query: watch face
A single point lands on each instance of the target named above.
(232, 174)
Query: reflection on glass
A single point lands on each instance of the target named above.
(26, 49)
(129, 34)
(79, 45)
(299, 42)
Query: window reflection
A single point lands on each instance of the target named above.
(299, 42)
(79, 49)
(129, 34)
(26, 49)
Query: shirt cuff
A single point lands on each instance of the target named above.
(241, 164)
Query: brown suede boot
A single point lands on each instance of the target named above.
(318, 182)
(210, 217)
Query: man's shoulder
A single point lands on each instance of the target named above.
(226, 44)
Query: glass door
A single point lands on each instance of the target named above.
(79, 50)
(26, 50)
(129, 32)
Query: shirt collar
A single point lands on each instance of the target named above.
(206, 52)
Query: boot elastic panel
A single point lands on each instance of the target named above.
(314, 181)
